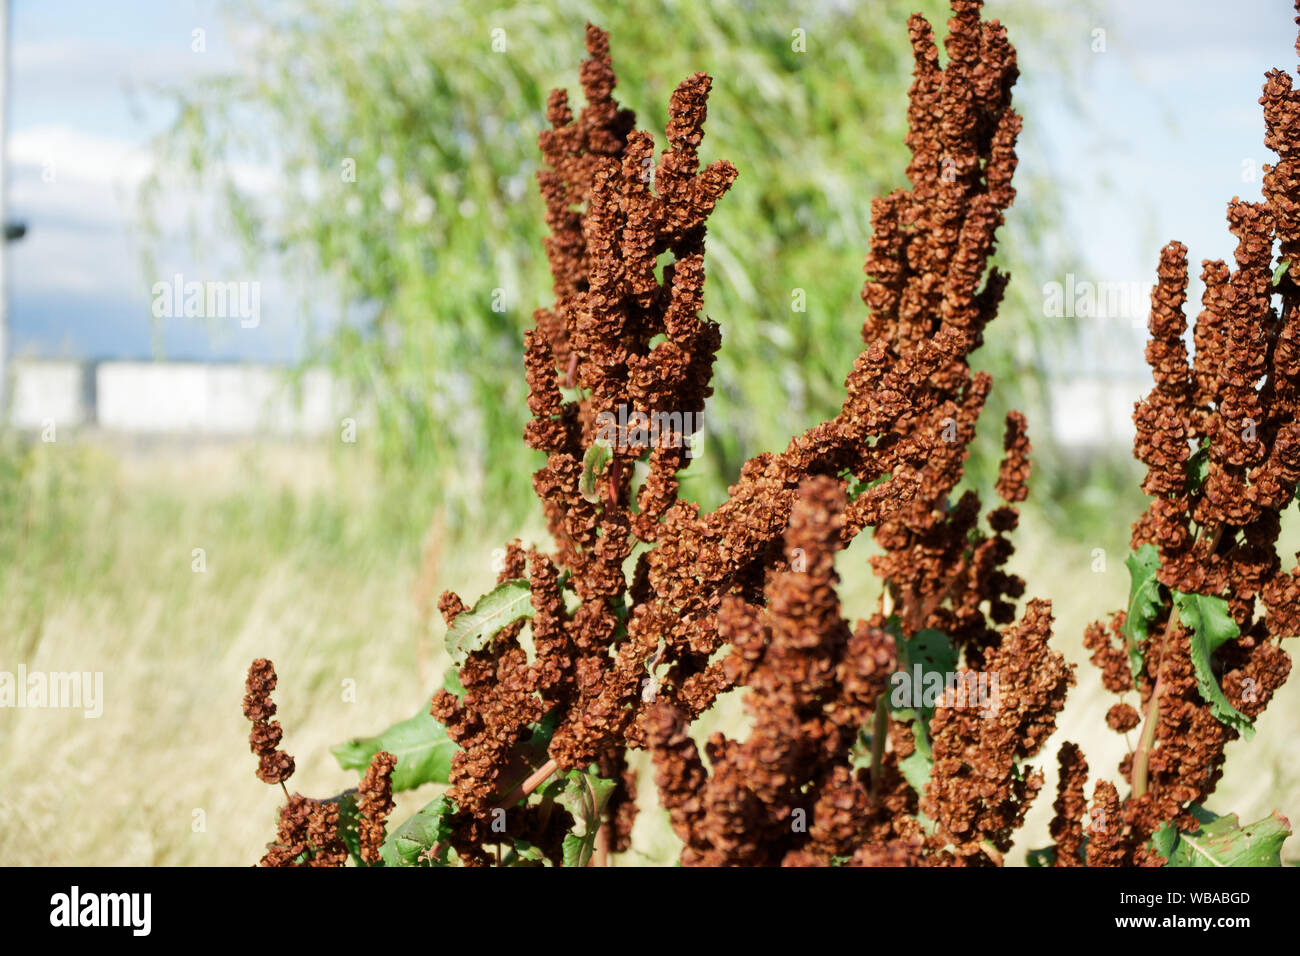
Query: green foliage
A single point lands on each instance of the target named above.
(421, 840)
(1045, 857)
(1223, 841)
(523, 853)
(420, 744)
(403, 151)
(1212, 626)
(474, 629)
(932, 652)
(917, 765)
(349, 817)
(1207, 617)
(593, 463)
(585, 795)
(1198, 466)
(451, 683)
(1144, 602)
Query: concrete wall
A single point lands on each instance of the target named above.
(45, 391)
(173, 397)
(215, 399)
(1094, 413)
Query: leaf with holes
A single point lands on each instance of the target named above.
(1223, 841)
(927, 652)
(421, 840)
(474, 629)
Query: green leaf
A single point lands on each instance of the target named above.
(474, 629)
(585, 796)
(593, 463)
(1143, 602)
(1198, 466)
(411, 843)
(1044, 857)
(917, 765)
(451, 683)
(420, 744)
(524, 854)
(1280, 271)
(932, 652)
(1223, 841)
(1212, 626)
(348, 817)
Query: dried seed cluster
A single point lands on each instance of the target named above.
(745, 596)
(1220, 436)
(309, 832)
(625, 340)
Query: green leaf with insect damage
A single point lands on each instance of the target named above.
(593, 463)
(1212, 626)
(1143, 602)
(1223, 841)
(585, 796)
(927, 652)
(414, 842)
(474, 629)
(420, 744)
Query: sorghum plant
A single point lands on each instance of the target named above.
(903, 738)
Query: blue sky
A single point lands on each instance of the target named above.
(1170, 121)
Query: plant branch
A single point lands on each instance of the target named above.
(879, 727)
(1142, 757)
(531, 783)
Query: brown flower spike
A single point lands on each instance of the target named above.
(647, 609)
(1220, 436)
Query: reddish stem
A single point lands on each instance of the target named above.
(601, 855)
(615, 474)
(1142, 756)
(534, 780)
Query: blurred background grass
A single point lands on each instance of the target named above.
(326, 557)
